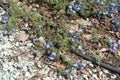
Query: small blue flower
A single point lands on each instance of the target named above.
(5, 19)
(52, 56)
(39, 27)
(74, 38)
(106, 12)
(77, 6)
(80, 47)
(33, 40)
(67, 71)
(81, 68)
(76, 65)
(114, 21)
(48, 46)
(97, 11)
(80, 30)
(114, 45)
(112, 4)
(6, 33)
(100, 1)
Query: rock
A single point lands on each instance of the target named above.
(90, 71)
(113, 76)
(85, 76)
(94, 70)
(22, 37)
(47, 78)
(91, 65)
(27, 74)
(95, 76)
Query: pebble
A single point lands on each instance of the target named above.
(27, 74)
(91, 65)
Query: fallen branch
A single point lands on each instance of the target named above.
(111, 68)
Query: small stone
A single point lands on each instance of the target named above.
(95, 76)
(94, 70)
(85, 77)
(90, 71)
(47, 78)
(91, 65)
(113, 76)
(27, 74)
(119, 42)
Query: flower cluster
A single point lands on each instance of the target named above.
(5, 19)
(73, 7)
(113, 46)
(80, 47)
(6, 33)
(80, 66)
(115, 24)
(52, 56)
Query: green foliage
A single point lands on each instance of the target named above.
(107, 42)
(95, 38)
(61, 71)
(98, 58)
(70, 63)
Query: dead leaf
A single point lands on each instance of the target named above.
(103, 49)
(118, 34)
(22, 37)
(58, 65)
(87, 36)
(41, 73)
(85, 72)
(84, 22)
(73, 27)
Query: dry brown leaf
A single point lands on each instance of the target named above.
(41, 73)
(85, 72)
(73, 27)
(103, 49)
(87, 36)
(83, 22)
(22, 37)
(58, 65)
(118, 34)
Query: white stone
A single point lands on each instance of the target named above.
(47, 78)
(85, 77)
(27, 74)
(91, 65)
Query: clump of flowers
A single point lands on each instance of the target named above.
(113, 46)
(6, 33)
(5, 19)
(80, 66)
(52, 56)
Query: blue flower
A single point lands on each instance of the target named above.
(76, 65)
(97, 11)
(114, 21)
(80, 47)
(80, 30)
(74, 38)
(6, 33)
(33, 40)
(106, 12)
(48, 46)
(52, 56)
(67, 71)
(39, 27)
(114, 45)
(100, 1)
(5, 19)
(77, 6)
